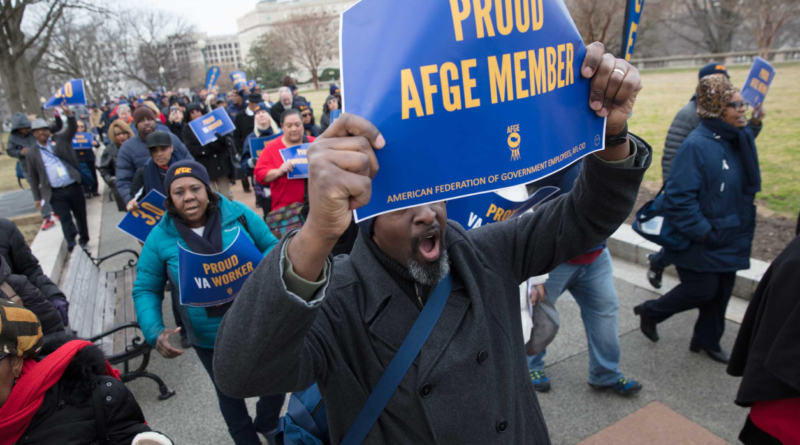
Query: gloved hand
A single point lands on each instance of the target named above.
(62, 307)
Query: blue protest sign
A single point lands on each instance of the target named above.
(239, 79)
(335, 115)
(205, 126)
(211, 280)
(251, 84)
(139, 223)
(257, 145)
(466, 106)
(82, 141)
(758, 81)
(72, 93)
(477, 210)
(633, 14)
(211, 77)
(297, 156)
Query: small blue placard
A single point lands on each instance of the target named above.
(335, 115)
(72, 93)
(297, 156)
(82, 141)
(211, 280)
(257, 145)
(758, 82)
(205, 126)
(139, 223)
(239, 79)
(477, 210)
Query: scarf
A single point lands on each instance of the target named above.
(211, 241)
(744, 141)
(28, 394)
(154, 175)
(399, 273)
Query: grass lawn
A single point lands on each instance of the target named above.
(665, 92)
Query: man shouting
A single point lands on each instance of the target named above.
(304, 317)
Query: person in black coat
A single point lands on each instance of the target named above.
(766, 353)
(19, 290)
(18, 256)
(214, 156)
(244, 126)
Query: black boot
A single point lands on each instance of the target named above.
(654, 273)
(647, 325)
(718, 356)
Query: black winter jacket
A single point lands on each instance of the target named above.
(32, 299)
(18, 256)
(68, 415)
(214, 156)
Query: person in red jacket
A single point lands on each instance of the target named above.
(271, 169)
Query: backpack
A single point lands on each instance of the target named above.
(306, 420)
(652, 224)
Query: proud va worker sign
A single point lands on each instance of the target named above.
(471, 95)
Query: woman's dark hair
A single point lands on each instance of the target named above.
(213, 205)
(290, 112)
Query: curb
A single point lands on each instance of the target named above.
(628, 245)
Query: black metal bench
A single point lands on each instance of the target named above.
(101, 310)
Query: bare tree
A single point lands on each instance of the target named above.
(269, 58)
(145, 41)
(599, 21)
(21, 50)
(767, 18)
(312, 39)
(710, 25)
(83, 49)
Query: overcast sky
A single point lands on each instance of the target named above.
(215, 17)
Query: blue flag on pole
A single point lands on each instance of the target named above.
(139, 223)
(297, 156)
(211, 77)
(477, 210)
(466, 106)
(758, 82)
(82, 141)
(239, 79)
(211, 280)
(72, 92)
(207, 126)
(257, 145)
(633, 14)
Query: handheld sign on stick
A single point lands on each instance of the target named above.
(211, 77)
(139, 223)
(470, 99)
(72, 93)
(758, 82)
(82, 141)
(207, 126)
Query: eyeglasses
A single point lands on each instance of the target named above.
(306, 114)
(739, 105)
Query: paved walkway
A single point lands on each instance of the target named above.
(687, 398)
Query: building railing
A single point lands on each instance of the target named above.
(729, 59)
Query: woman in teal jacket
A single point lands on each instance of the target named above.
(203, 222)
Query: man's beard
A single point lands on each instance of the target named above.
(426, 273)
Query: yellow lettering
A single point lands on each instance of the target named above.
(551, 68)
(459, 16)
(217, 281)
(450, 95)
(213, 268)
(428, 89)
(520, 74)
(499, 214)
(205, 268)
(504, 26)
(501, 79)
(538, 75)
(523, 11)
(561, 49)
(570, 60)
(483, 19)
(492, 209)
(628, 54)
(537, 13)
(469, 83)
(410, 94)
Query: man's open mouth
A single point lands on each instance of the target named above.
(429, 246)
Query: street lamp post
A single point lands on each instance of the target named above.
(161, 71)
(42, 101)
(201, 45)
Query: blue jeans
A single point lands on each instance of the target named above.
(592, 285)
(240, 426)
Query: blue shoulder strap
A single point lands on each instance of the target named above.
(399, 365)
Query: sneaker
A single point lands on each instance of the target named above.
(623, 387)
(654, 273)
(55, 217)
(540, 381)
(46, 224)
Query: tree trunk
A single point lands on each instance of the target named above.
(10, 81)
(315, 77)
(28, 95)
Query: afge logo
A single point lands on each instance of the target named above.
(514, 140)
(182, 170)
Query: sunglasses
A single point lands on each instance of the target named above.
(739, 105)
(306, 115)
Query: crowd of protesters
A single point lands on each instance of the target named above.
(711, 176)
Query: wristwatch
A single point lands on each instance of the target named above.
(619, 139)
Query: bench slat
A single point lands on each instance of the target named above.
(90, 296)
(99, 308)
(119, 312)
(130, 312)
(68, 285)
(82, 273)
(108, 313)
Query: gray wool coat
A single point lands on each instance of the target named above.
(470, 383)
